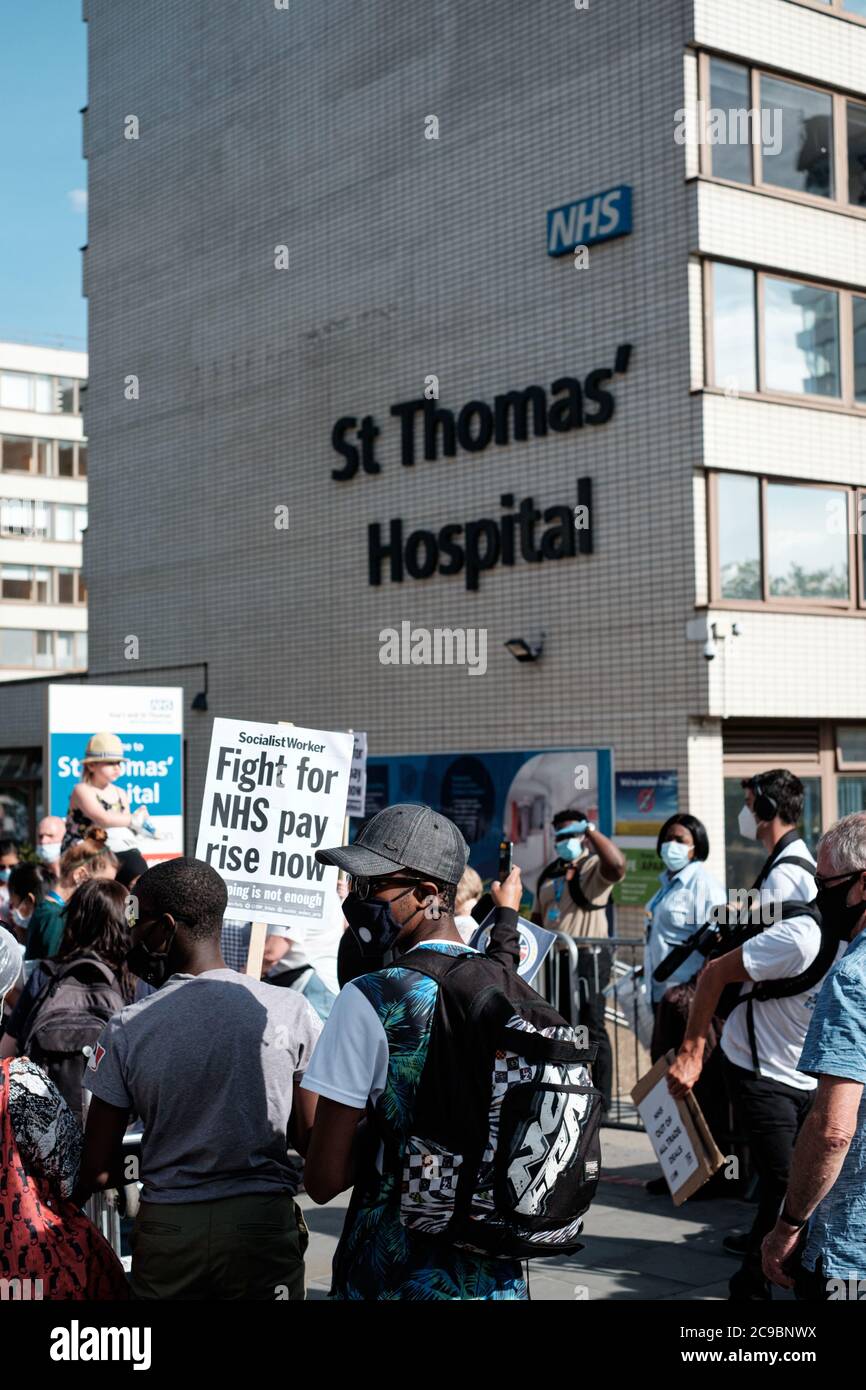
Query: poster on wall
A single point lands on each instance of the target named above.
(496, 795)
(644, 801)
(148, 721)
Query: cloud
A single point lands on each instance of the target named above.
(78, 199)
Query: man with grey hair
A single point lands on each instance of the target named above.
(827, 1182)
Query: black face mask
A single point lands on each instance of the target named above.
(372, 922)
(150, 966)
(840, 916)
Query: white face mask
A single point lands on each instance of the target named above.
(747, 823)
(19, 919)
(48, 854)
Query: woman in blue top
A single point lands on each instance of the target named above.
(684, 901)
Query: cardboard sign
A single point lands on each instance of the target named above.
(273, 796)
(358, 778)
(535, 943)
(678, 1133)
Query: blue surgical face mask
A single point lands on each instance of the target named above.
(4, 875)
(675, 855)
(569, 850)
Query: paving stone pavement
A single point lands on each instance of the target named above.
(637, 1246)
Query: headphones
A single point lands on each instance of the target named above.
(763, 805)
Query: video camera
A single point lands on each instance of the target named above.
(729, 926)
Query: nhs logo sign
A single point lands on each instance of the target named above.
(599, 217)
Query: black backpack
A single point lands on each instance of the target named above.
(69, 1014)
(504, 1156)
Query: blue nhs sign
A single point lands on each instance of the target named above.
(599, 217)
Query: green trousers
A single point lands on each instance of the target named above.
(238, 1247)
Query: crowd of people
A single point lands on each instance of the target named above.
(127, 1004)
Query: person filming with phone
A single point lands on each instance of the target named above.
(572, 896)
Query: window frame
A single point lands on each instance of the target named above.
(838, 201)
(853, 606)
(846, 402)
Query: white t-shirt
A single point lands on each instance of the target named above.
(350, 1060)
(316, 945)
(780, 1024)
(787, 881)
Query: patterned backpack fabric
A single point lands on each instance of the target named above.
(48, 1247)
(504, 1156)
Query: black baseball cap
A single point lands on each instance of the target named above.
(406, 836)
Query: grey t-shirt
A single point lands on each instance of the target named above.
(208, 1063)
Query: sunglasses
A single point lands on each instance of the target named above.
(365, 888)
(821, 882)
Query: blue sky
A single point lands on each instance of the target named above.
(43, 220)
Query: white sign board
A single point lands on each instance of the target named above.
(148, 720)
(668, 1135)
(274, 794)
(358, 778)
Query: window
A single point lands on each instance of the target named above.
(71, 460)
(17, 454)
(47, 395)
(806, 559)
(45, 650)
(801, 331)
(859, 315)
(27, 455)
(856, 154)
(64, 522)
(16, 391)
(799, 152)
(22, 517)
(42, 585)
(803, 353)
(66, 586)
(783, 543)
(82, 588)
(735, 343)
(767, 131)
(16, 647)
(15, 582)
(43, 387)
(729, 92)
(80, 523)
(739, 520)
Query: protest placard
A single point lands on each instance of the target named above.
(535, 943)
(274, 794)
(678, 1133)
(358, 778)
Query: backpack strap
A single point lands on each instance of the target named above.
(80, 966)
(774, 859)
(789, 986)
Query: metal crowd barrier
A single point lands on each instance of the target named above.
(107, 1209)
(613, 965)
